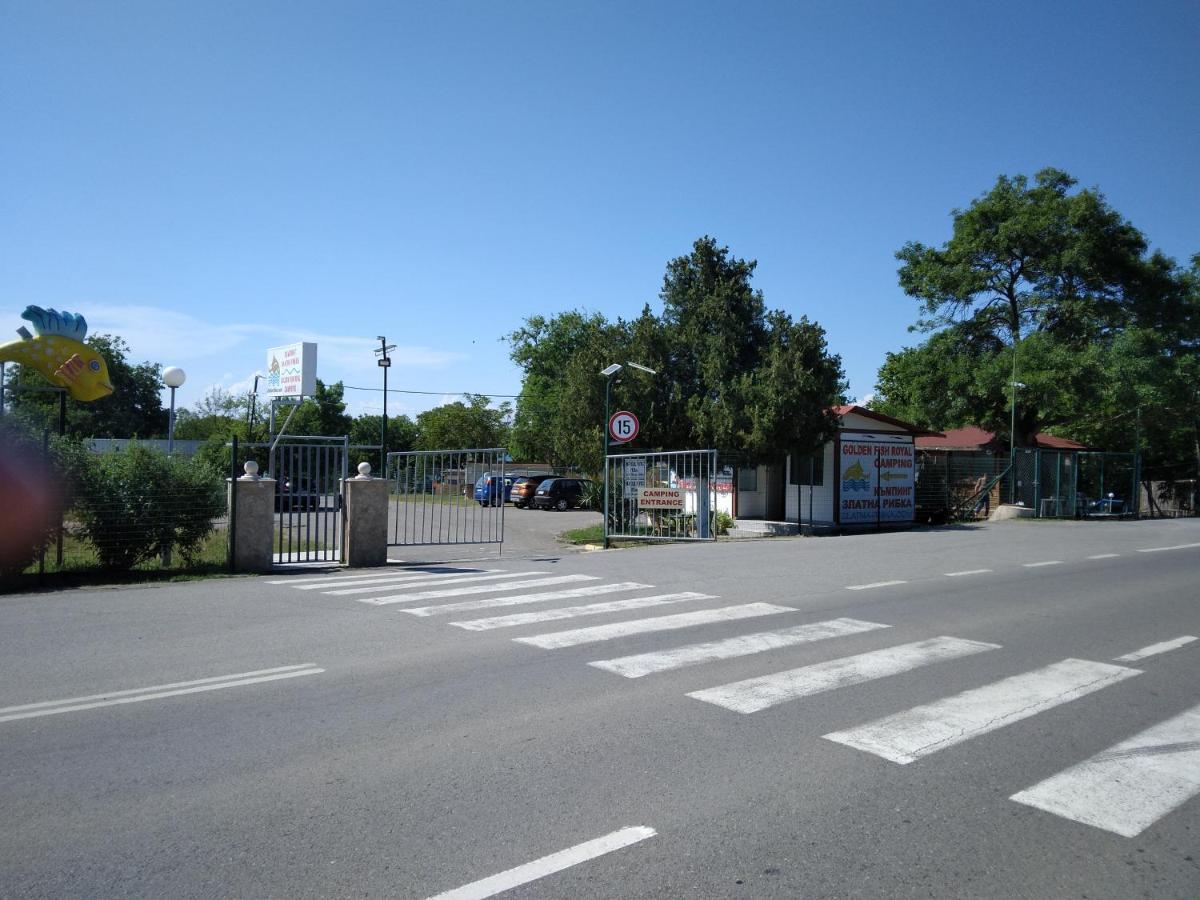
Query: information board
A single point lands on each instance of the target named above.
(292, 370)
(877, 483)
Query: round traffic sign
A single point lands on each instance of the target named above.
(623, 427)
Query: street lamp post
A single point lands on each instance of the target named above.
(173, 378)
(608, 372)
(1012, 438)
(253, 402)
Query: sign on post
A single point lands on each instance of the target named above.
(623, 427)
(660, 498)
(292, 370)
(634, 477)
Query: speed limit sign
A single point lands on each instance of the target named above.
(622, 427)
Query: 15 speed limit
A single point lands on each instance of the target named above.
(622, 427)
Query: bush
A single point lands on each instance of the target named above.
(722, 522)
(593, 495)
(135, 504)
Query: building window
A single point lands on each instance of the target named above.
(748, 479)
(809, 468)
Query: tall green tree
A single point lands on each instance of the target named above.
(1035, 284)
(730, 373)
(471, 425)
(324, 413)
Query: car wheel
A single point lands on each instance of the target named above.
(562, 505)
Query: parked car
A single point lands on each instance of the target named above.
(488, 492)
(295, 494)
(524, 488)
(559, 493)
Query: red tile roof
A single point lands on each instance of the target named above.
(975, 438)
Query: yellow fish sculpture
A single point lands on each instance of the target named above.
(58, 352)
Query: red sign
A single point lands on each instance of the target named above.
(623, 427)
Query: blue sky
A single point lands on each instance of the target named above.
(209, 179)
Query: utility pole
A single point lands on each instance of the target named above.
(385, 363)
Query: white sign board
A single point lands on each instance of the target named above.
(660, 498)
(876, 479)
(292, 370)
(634, 477)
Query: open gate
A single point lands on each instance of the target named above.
(434, 498)
(309, 519)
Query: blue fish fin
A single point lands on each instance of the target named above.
(51, 321)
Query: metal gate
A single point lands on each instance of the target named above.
(447, 496)
(309, 521)
(662, 496)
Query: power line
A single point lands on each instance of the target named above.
(351, 387)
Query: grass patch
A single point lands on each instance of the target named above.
(592, 534)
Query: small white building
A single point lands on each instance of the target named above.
(862, 478)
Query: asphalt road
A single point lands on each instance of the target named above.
(275, 738)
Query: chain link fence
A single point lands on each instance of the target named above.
(958, 485)
(128, 510)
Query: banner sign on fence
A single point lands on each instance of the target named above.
(660, 498)
(292, 370)
(634, 476)
(877, 479)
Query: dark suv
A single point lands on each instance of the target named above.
(559, 493)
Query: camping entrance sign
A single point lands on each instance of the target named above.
(877, 483)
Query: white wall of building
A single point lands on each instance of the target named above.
(822, 495)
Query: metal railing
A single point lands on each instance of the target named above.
(448, 496)
(661, 496)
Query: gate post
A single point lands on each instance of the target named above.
(366, 519)
(252, 506)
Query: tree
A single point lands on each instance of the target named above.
(731, 375)
(458, 425)
(1035, 281)
(324, 413)
(218, 414)
(134, 409)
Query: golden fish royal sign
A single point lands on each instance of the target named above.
(877, 482)
(292, 370)
(56, 350)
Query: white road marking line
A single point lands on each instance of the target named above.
(570, 612)
(548, 865)
(968, 572)
(384, 572)
(521, 599)
(392, 576)
(922, 730)
(1161, 549)
(1131, 785)
(578, 636)
(649, 663)
(155, 692)
(874, 584)
(1105, 556)
(475, 589)
(1155, 649)
(754, 694)
(1038, 565)
(418, 583)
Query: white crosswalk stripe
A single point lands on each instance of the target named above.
(694, 654)
(1130, 786)
(475, 589)
(577, 636)
(522, 599)
(420, 583)
(571, 612)
(755, 694)
(388, 572)
(922, 730)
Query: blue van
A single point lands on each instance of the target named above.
(487, 489)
